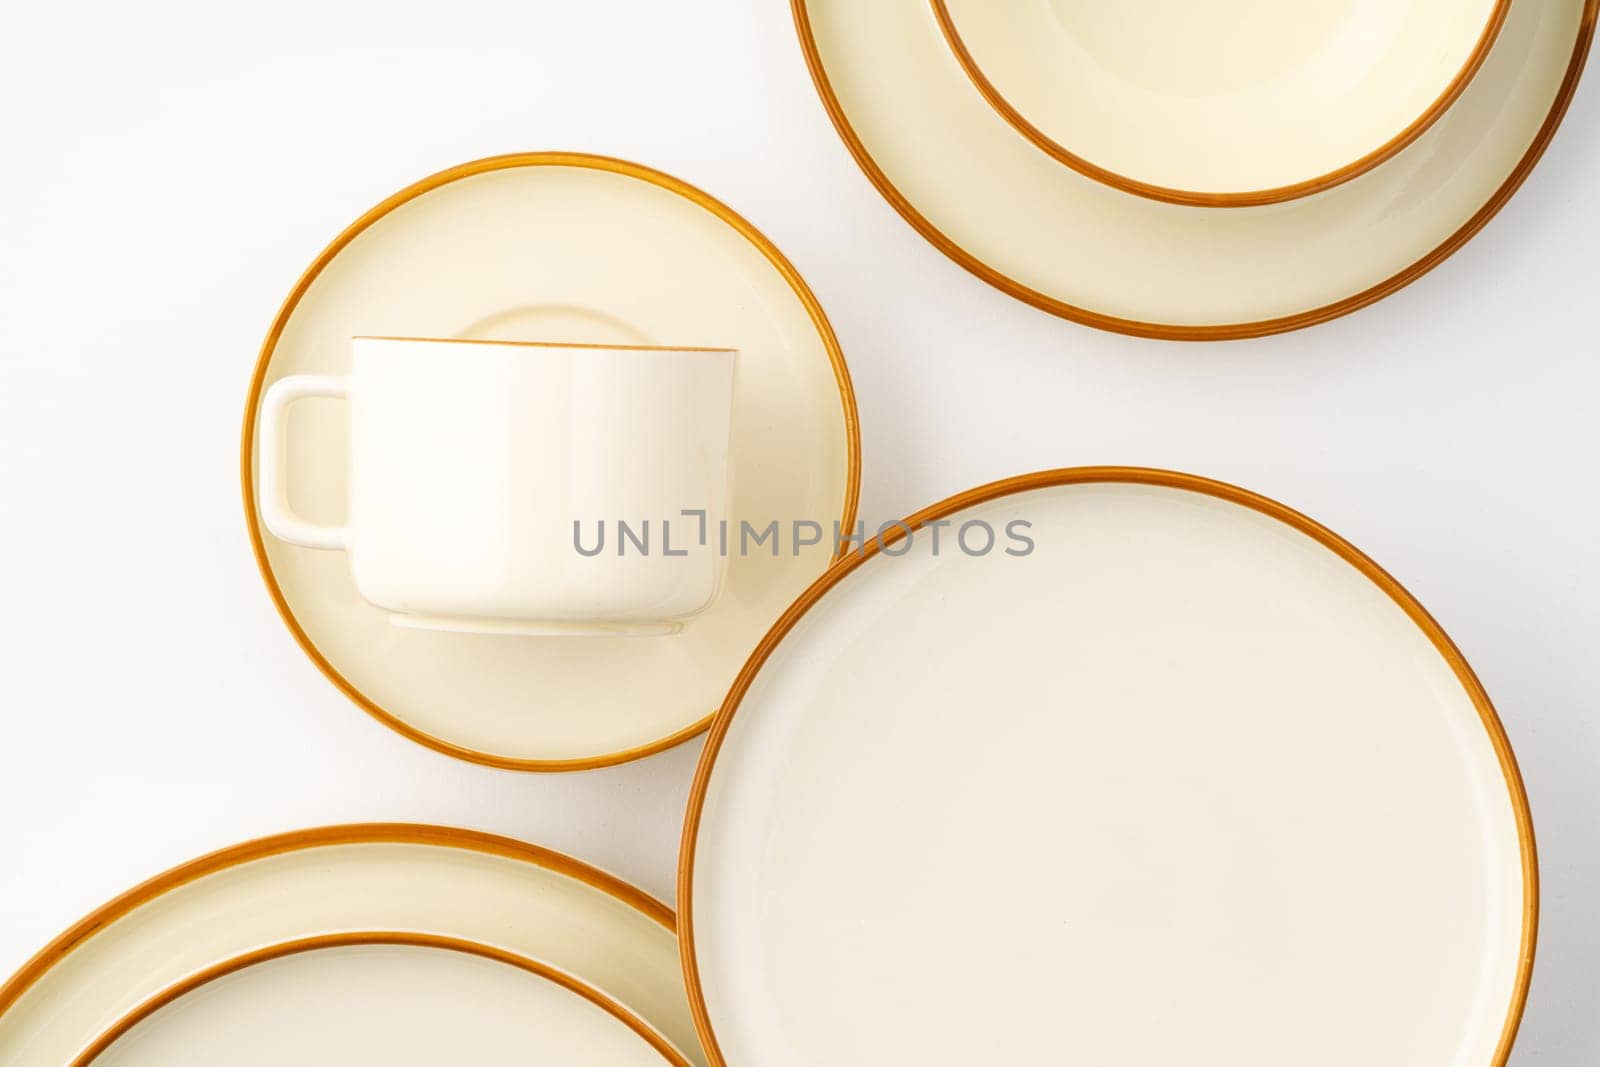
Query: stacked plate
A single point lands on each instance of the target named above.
(393, 944)
(1078, 154)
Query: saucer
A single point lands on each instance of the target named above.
(559, 247)
(1168, 774)
(401, 885)
(1221, 104)
(991, 200)
(464, 624)
(390, 997)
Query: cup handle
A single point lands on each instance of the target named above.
(275, 510)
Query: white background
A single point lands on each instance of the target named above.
(169, 169)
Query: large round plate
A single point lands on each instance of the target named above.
(1014, 216)
(559, 247)
(451, 884)
(402, 1000)
(1192, 782)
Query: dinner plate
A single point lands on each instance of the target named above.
(402, 1000)
(1108, 766)
(1014, 216)
(568, 248)
(1225, 103)
(398, 879)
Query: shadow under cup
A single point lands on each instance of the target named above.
(524, 488)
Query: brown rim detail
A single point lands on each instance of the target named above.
(540, 344)
(704, 200)
(1051, 147)
(1137, 476)
(376, 937)
(1167, 331)
(299, 840)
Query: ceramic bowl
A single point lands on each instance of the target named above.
(1221, 102)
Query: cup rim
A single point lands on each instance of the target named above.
(542, 344)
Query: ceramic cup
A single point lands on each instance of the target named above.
(500, 487)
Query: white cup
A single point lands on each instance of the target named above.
(483, 474)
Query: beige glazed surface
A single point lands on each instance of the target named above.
(369, 1002)
(989, 198)
(1225, 102)
(536, 904)
(568, 248)
(1194, 759)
